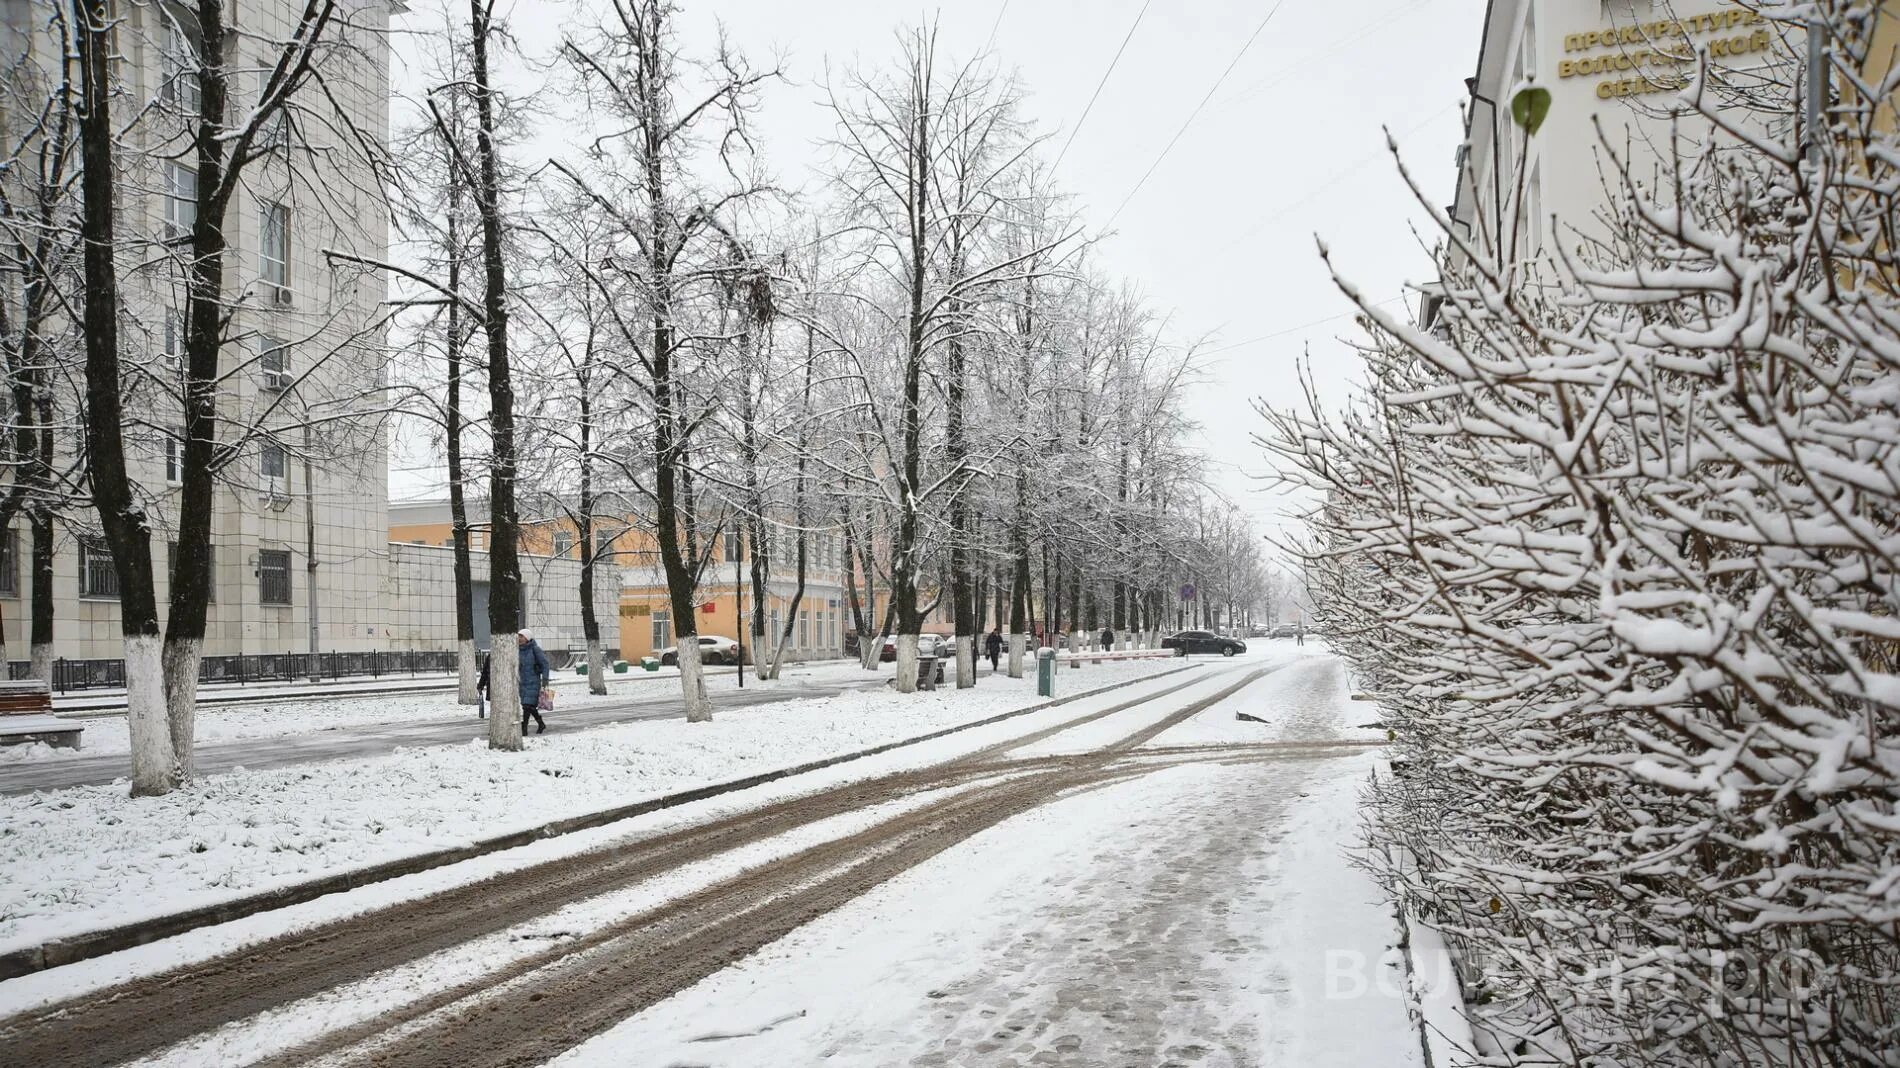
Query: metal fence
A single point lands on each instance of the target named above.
(261, 667)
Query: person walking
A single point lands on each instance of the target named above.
(1108, 640)
(535, 675)
(1299, 636)
(993, 647)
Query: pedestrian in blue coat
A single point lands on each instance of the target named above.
(534, 674)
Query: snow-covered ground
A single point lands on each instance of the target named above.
(287, 715)
(90, 857)
(1202, 914)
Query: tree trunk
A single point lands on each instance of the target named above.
(504, 567)
(468, 659)
(43, 607)
(155, 768)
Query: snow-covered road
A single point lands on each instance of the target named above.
(1202, 914)
(1136, 878)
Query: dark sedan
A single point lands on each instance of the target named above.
(1202, 641)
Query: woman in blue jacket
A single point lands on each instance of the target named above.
(533, 674)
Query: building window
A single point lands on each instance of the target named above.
(273, 245)
(181, 200)
(178, 66)
(171, 569)
(563, 541)
(97, 577)
(603, 543)
(804, 628)
(275, 132)
(274, 465)
(273, 576)
(273, 363)
(662, 628)
(10, 564)
(174, 333)
(175, 456)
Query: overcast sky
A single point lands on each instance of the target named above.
(1221, 236)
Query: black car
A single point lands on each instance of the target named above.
(1202, 641)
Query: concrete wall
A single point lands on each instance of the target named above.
(421, 599)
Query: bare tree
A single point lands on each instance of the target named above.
(630, 71)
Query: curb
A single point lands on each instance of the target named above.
(79, 947)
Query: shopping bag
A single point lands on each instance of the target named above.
(546, 701)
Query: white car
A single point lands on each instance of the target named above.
(927, 645)
(713, 649)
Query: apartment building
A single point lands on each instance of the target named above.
(298, 525)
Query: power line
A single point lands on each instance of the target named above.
(1195, 113)
(1332, 181)
(1296, 329)
(991, 43)
(1129, 36)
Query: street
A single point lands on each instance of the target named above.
(1103, 884)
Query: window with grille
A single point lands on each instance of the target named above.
(181, 200)
(10, 563)
(211, 564)
(273, 246)
(563, 542)
(273, 576)
(97, 577)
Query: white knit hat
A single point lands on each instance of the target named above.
(525, 633)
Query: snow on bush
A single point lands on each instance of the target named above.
(1614, 539)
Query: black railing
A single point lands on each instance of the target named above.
(260, 667)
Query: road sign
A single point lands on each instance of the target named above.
(1187, 591)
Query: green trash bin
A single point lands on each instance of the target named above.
(1045, 672)
(620, 667)
(580, 668)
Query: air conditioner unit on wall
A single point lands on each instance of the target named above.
(276, 380)
(281, 296)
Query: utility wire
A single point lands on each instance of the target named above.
(1296, 329)
(1195, 113)
(1129, 36)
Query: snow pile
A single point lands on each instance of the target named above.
(91, 857)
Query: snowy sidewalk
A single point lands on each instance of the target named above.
(282, 733)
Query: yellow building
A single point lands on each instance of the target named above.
(646, 624)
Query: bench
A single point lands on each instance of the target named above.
(26, 716)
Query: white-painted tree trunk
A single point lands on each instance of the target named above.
(1018, 644)
(906, 663)
(468, 665)
(153, 767)
(596, 669)
(504, 695)
(966, 661)
(870, 653)
(693, 682)
(180, 660)
(41, 659)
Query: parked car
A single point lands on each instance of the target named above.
(927, 645)
(713, 649)
(1203, 641)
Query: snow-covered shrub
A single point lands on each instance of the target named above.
(1614, 538)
